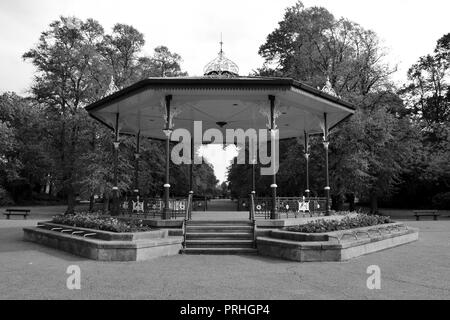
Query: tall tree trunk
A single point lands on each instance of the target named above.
(373, 203)
(339, 202)
(70, 201)
(351, 201)
(105, 204)
(91, 203)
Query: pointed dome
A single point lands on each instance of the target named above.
(221, 66)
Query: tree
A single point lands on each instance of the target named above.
(427, 94)
(69, 71)
(24, 163)
(366, 151)
(312, 46)
(223, 190)
(163, 63)
(77, 64)
(121, 50)
(427, 100)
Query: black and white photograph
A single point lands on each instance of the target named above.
(224, 156)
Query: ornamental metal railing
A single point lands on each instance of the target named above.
(291, 207)
(153, 207)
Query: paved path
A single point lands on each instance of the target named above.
(222, 205)
(420, 270)
(220, 215)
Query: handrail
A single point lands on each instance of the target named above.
(184, 233)
(252, 217)
(187, 217)
(189, 207)
(254, 233)
(252, 207)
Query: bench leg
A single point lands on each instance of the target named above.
(435, 218)
(417, 218)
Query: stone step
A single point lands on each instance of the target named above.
(219, 222)
(220, 251)
(220, 236)
(218, 228)
(220, 244)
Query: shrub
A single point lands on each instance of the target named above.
(441, 201)
(98, 222)
(349, 222)
(5, 198)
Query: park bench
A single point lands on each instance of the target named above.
(426, 213)
(17, 212)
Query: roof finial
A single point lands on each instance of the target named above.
(221, 44)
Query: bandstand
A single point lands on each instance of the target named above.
(221, 99)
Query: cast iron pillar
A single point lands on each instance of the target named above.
(273, 186)
(191, 177)
(116, 143)
(326, 143)
(191, 168)
(253, 177)
(167, 132)
(137, 155)
(307, 191)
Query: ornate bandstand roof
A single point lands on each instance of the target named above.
(221, 99)
(221, 103)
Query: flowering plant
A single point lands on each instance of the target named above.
(348, 222)
(98, 222)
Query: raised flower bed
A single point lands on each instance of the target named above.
(335, 239)
(104, 238)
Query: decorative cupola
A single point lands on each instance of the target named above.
(221, 66)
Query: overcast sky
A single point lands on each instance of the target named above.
(408, 28)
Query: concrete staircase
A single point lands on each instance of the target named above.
(219, 237)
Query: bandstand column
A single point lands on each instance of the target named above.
(191, 175)
(326, 143)
(252, 156)
(167, 132)
(137, 155)
(116, 143)
(307, 191)
(253, 178)
(191, 168)
(273, 186)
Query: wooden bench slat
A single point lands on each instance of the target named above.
(426, 213)
(17, 212)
